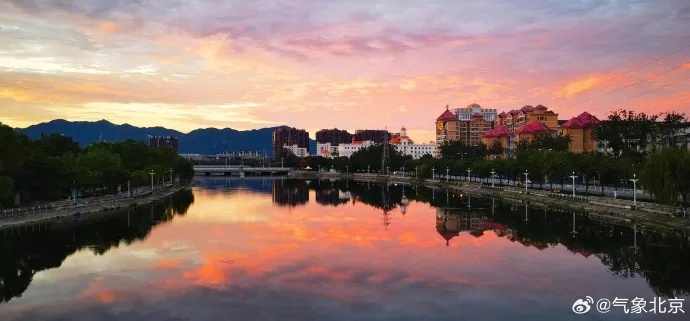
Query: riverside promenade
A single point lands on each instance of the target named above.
(623, 211)
(60, 209)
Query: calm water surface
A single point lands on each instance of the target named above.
(262, 249)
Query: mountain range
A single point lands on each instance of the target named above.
(200, 141)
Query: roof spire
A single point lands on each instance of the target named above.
(446, 107)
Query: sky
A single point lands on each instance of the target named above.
(312, 64)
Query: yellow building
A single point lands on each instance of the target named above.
(500, 134)
(463, 126)
(580, 130)
(515, 119)
(531, 131)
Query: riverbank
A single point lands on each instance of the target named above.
(90, 208)
(610, 209)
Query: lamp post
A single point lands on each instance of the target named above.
(447, 174)
(171, 176)
(573, 177)
(403, 170)
(469, 172)
(347, 169)
(152, 173)
(433, 173)
(415, 172)
(634, 180)
(526, 179)
(368, 169)
(129, 187)
(281, 162)
(493, 178)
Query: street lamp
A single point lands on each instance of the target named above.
(447, 175)
(634, 180)
(526, 174)
(469, 172)
(493, 178)
(171, 176)
(573, 177)
(403, 170)
(347, 169)
(415, 172)
(368, 169)
(152, 173)
(433, 173)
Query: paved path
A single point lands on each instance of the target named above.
(62, 209)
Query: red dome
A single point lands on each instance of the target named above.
(527, 108)
(533, 127)
(540, 107)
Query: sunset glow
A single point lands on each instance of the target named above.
(322, 64)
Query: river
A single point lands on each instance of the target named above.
(279, 249)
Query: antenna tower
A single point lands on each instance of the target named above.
(385, 157)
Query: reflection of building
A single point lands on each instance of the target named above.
(332, 196)
(289, 192)
(164, 142)
(286, 136)
(451, 221)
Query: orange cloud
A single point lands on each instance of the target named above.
(577, 86)
(167, 264)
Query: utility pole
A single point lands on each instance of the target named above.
(526, 179)
(573, 177)
(634, 180)
(152, 173)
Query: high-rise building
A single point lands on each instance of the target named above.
(164, 142)
(289, 136)
(333, 136)
(467, 125)
(375, 135)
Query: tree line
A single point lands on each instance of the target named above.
(647, 147)
(49, 168)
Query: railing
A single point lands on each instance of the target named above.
(70, 204)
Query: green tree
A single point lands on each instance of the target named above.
(666, 174)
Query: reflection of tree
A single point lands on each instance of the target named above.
(290, 192)
(662, 259)
(330, 196)
(23, 255)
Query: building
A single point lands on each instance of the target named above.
(580, 130)
(286, 136)
(164, 142)
(407, 147)
(466, 125)
(515, 119)
(326, 150)
(532, 130)
(466, 114)
(333, 136)
(375, 135)
(295, 150)
(346, 150)
(500, 134)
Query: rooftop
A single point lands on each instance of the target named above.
(533, 127)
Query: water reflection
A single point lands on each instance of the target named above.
(24, 252)
(324, 250)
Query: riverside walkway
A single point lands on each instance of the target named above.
(47, 211)
(613, 209)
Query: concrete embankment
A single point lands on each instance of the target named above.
(653, 215)
(85, 209)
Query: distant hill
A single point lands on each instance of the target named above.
(199, 141)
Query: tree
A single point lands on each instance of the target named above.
(458, 150)
(495, 149)
(666, 174)
(627, 132)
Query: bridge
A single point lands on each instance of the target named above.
(220, 170)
